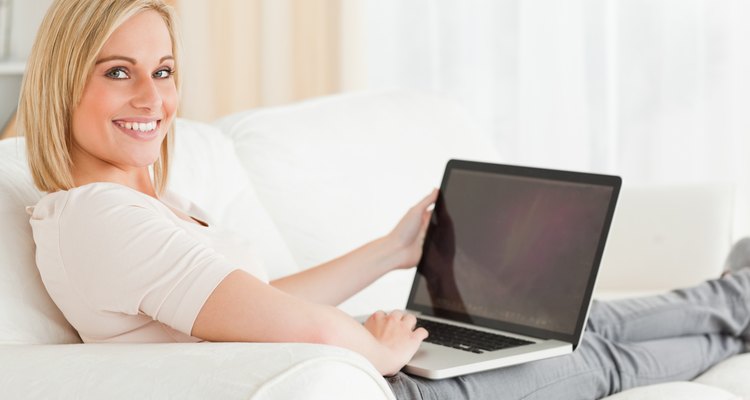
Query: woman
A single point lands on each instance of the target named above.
(124, 264)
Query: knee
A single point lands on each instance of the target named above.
(596, 354)
(599, 314)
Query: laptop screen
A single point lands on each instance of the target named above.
(515, 248)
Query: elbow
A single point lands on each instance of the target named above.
(326, 336)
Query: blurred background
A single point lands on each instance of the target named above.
(656, 87)
(657, 91)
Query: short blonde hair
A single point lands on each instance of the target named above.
(69, 40)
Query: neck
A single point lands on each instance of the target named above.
(140, 181)
(136, 178)
(88, 169)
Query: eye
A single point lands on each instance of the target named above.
(164, 73)
(117, 73)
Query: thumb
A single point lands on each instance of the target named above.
(425, 220)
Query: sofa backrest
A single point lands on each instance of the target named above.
(337, 172)
(205, 170)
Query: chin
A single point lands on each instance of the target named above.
(146, 154)
(144, 160)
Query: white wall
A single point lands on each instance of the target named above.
(26, 15)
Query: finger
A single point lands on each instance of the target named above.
(430, 198)
(425, 221)
(396, 315)
(427, 200)
(410, 320)
(420, 334)
(377, 314)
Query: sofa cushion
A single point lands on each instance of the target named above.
(675, 391)
(27, 314)
(337, 172)
(206, 171)
(731, 375)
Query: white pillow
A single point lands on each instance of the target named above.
(337, 172)
(206, 171)
(27, 314)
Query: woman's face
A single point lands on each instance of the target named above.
(129, 100)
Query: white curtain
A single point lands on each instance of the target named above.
(657, 91)
(241, 54)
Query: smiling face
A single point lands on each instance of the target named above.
(127, 105)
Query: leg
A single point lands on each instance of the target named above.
(720, 306)
(739, 256)
(599, 367)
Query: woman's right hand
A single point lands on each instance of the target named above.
(395, 331)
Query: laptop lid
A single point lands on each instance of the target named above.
(515, 248)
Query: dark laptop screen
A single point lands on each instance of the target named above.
(516, 251)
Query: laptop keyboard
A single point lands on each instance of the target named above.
(467, 339)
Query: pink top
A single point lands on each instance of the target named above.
(123, 267)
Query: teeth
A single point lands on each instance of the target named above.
(138, 126)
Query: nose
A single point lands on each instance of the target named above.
(147, 95)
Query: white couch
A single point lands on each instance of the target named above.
(308, 182)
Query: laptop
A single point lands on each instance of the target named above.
(510, 251)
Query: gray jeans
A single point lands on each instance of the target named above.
(628, 343)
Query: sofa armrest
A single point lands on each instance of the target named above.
(187, 371)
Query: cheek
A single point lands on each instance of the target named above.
(93, 115)
(170, 101)
(84, 126)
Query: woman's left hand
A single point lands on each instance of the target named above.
(408, 236)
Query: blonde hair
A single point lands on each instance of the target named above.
(62, 58)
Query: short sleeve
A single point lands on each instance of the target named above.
(124, 254)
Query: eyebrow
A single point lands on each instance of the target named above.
(128, 59)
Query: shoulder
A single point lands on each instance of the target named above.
(107, 194)
(94, 200)
(90, 213)
(83, 226)
(74, 230)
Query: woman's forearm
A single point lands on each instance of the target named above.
(337, 280)
(244, 309)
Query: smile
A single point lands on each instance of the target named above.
(139, 130)
(138, 126)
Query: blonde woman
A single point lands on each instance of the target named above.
(126, 265)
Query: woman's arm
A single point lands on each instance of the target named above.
(244, 309)
(299, 308)
(337, 280)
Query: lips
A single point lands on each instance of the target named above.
(142, 130)
(138, 126)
